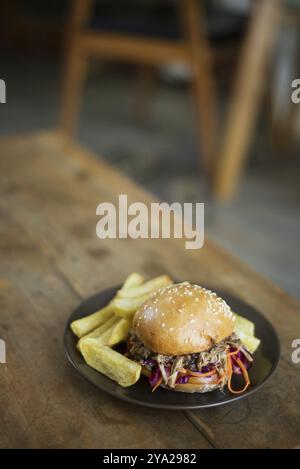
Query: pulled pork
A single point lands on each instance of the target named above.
(215, 357)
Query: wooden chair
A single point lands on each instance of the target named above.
(193, 49)
(246, 99)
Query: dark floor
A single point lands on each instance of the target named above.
(262, 226)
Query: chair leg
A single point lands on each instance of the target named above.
(75, 65)
(203, 85)
(246, 98)
(75, 72)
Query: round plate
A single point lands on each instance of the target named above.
(265, 362)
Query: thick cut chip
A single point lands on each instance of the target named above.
(102, 332)
(83, 326)
(120, 331)
(133, 280)
(146, 288)
(250, 341)
(245, 329)
(126, 307)
(244, 324)
(121, 369)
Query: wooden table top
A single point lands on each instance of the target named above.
(51, 259)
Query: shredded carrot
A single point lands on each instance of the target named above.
(157, 384)
(244, 371)
(196, 373)
(233, 353)
(230, 372)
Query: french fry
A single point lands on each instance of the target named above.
(83, 326)
(244, 324)
(103, 328)
(133, 280)
(126, 307)
(250, 341)
(146, 288)
(104, 331)
(120, 331)
(117, 367)
(128, 301)
(245, 330)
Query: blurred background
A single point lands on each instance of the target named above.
(190, 98)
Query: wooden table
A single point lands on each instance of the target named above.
(51, 259)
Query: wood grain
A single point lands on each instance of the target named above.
(51, 259)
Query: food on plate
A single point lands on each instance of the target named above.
(145, 288)
(83, 326)
(126, 307)
(133, 280)
(120, 331)
(244, 329)
(128, 301)
(98, 332)
(106, 328)
(243, 324)
(111, 363)
(184, 338)
(101, 333)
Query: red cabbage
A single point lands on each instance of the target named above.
(235, 367)
(154, 377)
(182, 379)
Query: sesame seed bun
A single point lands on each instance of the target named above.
(182, 319)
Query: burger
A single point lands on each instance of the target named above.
(183, 336)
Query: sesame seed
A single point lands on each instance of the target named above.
(163, 324)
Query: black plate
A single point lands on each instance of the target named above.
(265, 362)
